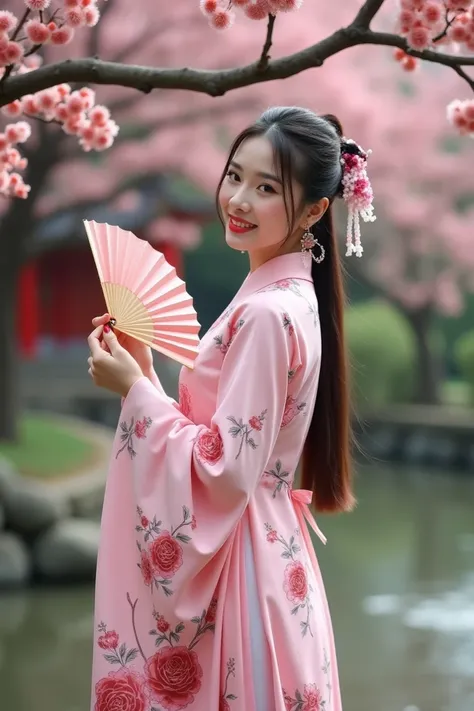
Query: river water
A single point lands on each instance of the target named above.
(399, 575)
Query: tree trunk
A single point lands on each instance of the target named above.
(16, 230)
(428, 366)
(9, 381)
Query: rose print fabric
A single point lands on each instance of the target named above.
(172, 614)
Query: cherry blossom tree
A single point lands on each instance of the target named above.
(420, 254)
(154, 138)
(438, 31)
(241, 52)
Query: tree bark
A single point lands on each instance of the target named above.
(219, 82)
(428, 367)
(16, 231)
(9, 377)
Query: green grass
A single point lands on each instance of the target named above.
(46, 449)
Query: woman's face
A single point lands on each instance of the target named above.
(251, 199)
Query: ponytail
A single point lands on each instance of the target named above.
(326, 459)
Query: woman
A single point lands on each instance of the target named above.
(209, 595)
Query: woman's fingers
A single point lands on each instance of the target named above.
(100, 320)
(94, 342)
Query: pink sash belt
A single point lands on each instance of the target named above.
(302, 500)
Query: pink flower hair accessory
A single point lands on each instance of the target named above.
(356, 192)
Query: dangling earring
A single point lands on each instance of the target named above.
(308, 242)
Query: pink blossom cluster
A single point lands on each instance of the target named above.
(40, 25)
(431, 23)
(407, 62)
(11, 161)
(77, 113)
(461, 116)
(221, 13)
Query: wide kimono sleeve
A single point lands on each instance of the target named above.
(199, 479)
(155, 381)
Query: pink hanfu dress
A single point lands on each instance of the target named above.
(208, 594)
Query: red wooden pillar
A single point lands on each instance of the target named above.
(28, 310)
(61, 295)
(173, 256)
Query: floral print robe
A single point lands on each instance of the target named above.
(173, 627)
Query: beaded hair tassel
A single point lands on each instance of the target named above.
(357, 194)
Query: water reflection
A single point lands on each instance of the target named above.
(400, 578)
(45, 650)
(400, 572)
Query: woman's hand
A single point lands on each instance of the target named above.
(138, 350)
(114, 369)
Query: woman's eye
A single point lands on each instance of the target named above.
(234, 177)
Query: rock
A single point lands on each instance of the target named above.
(31, 508)
(89, 503)
(86, 494)
(68, 551)
(15, 564)
(8, 476)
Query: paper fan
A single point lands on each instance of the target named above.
(145, 297)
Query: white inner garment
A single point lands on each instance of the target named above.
(260, 656)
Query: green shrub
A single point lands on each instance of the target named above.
(382, 354)
(464, 359)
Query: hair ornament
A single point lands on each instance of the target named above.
(356, 192)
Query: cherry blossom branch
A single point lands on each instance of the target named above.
(265, 56)
(40, 119)
(464, 76)
(96, 31)
(16, 32)
(14, 37)
(46, 91)
(386, 39)
(213, 83)
(449, 22)
(367, 13)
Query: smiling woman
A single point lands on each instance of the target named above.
(209, 594)
(252, 204)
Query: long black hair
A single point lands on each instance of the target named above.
(307, 149)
